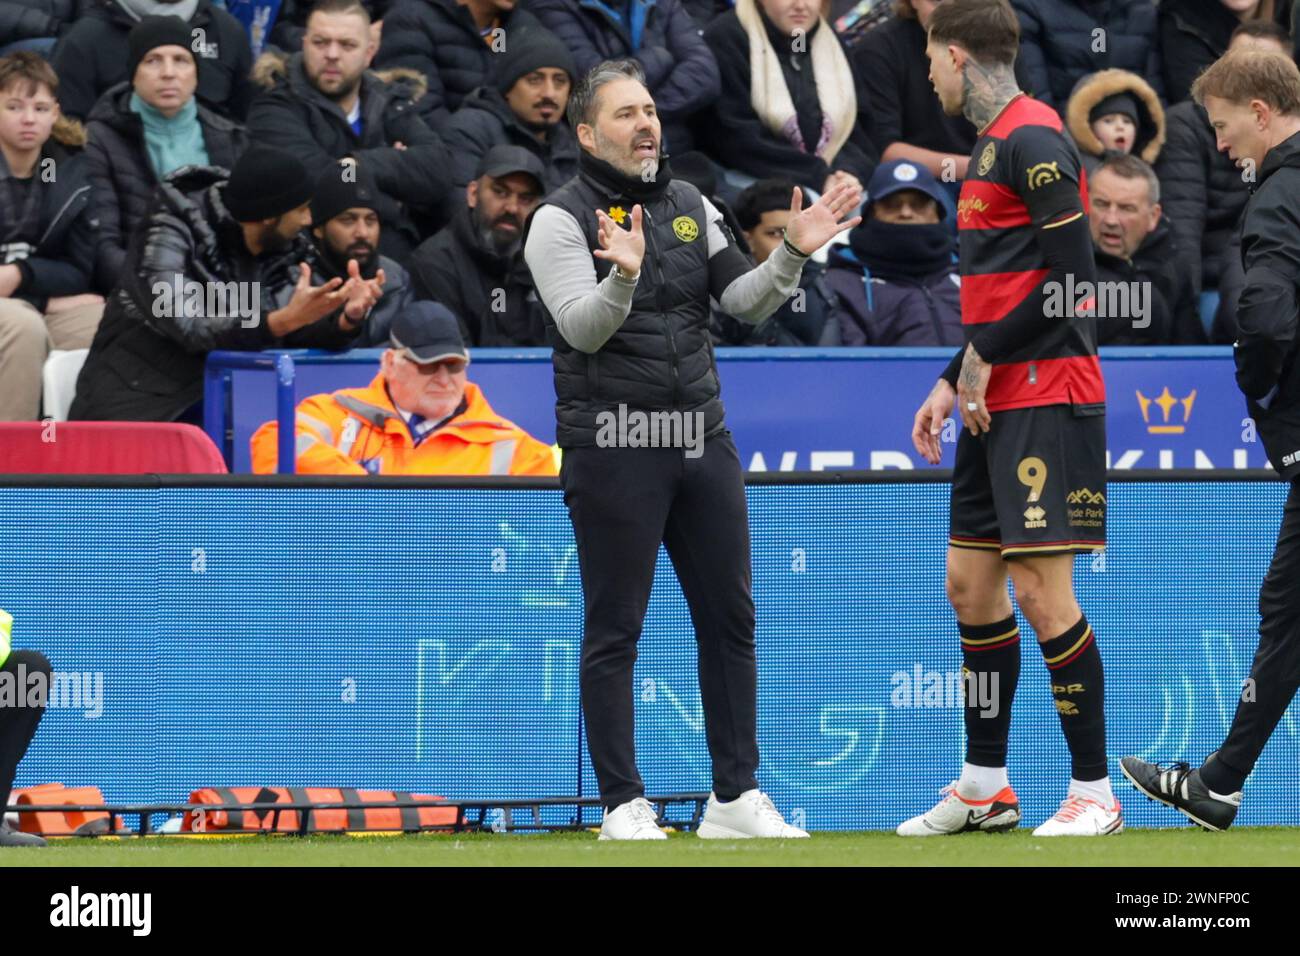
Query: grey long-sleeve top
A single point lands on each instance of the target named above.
(587, 313)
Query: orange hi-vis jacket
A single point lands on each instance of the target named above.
(357, 431)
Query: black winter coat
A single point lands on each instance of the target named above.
(900, 310)
(123, 181)
(1174, 317)
(1056, 43)
(680, 69)
(738, 139)
(1267, 351)
(1193, 34)
(92, 56)
(1202, 192)
(146, 362)
(63, 259)
(485, 120)
(904, 108)
(296, 117)
(455, 269)
(398, 294)
(441, 40)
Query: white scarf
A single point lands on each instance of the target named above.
(770, 96)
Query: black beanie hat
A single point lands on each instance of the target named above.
(336, 193)
(1125, 103)
(532, 49)
(153, 32)
(266, 183)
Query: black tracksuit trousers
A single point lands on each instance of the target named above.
(1276, 670)
(18, 721)
(623, 503)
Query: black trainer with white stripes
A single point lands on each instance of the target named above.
(1177, 785)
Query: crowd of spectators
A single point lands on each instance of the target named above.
(354, 157)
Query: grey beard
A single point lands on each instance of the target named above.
(985, 91)
(488, 238)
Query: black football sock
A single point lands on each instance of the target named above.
(990, 669)
(1074, 665)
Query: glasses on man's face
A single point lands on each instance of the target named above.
(453, 366)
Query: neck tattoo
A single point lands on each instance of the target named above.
(985, 91)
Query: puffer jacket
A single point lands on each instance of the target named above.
(1057, 41)
(440, 40)
(146, 362)
(122, 179)
(34, 19)
(292, 115)
(1094, 88)
(485, 120)
(1202, 192)
(358, 431)
(912, 311)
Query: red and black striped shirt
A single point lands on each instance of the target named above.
(1025, 176)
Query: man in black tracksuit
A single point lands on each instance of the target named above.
(1267, 356)
(632, 351)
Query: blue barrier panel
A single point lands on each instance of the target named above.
(427, 638)
(824, 409)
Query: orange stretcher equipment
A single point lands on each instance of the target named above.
(62, 823)
(354, 818)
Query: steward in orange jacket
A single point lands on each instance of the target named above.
(418, 417)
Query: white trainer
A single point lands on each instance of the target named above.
(634, 820)
(956, 814)
(1082, 816)
(752, 814)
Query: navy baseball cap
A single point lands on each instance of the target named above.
(899, 174)
(427, 332)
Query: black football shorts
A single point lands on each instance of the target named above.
(1034, 484)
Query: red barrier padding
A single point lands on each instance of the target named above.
(107, 448)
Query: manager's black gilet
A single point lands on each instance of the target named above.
(661, 357)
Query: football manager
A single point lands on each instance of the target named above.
(625, 259)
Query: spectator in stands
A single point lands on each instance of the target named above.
(475, 265)
(47, 253)
(1134, 246)
(1059, 44)
(1204, 192)
(453, 43)
(93, 55)
(1115, 111)
(810, 316)
(322, 105)
(1195, 33)
(896, 281)
(142, 130)
(291, 21)
(525, 107)
(34, 24)
(799, 116)
(906, 118)
(346, 227)
(420, 416)
(661, 35)
(219, 263)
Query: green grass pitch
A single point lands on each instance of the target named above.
(1184, 847)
